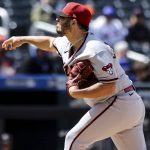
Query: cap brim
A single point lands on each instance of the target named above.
(60, 13)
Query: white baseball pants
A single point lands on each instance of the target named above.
(120, 118)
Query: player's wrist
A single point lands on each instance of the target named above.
(24, 39)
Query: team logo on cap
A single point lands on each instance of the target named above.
(108, 68)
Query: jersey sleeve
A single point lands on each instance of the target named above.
(61, 44)
(105, 66)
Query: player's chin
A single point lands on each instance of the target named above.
(59, 31)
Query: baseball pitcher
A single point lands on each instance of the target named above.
(94, 75)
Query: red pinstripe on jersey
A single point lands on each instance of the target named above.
(93, 121)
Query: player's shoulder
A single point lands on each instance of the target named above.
(92, 47)
(94, 44)
(94, 41)
(61, 39)
(61, 43)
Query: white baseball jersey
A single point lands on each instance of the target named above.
(119, 117)
(102, 57)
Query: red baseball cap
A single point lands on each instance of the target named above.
(78, 11)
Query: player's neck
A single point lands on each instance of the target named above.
(77, 39)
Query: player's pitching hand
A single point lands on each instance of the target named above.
(12, 43)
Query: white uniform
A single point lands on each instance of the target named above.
(120, 116)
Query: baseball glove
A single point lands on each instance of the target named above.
(81, 74)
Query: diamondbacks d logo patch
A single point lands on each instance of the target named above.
(108, 68)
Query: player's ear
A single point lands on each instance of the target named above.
(74, 21)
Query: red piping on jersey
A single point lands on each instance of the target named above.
(80, 46)
(57, 50)
(82, 43)
(92, 121)
(109, 79)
